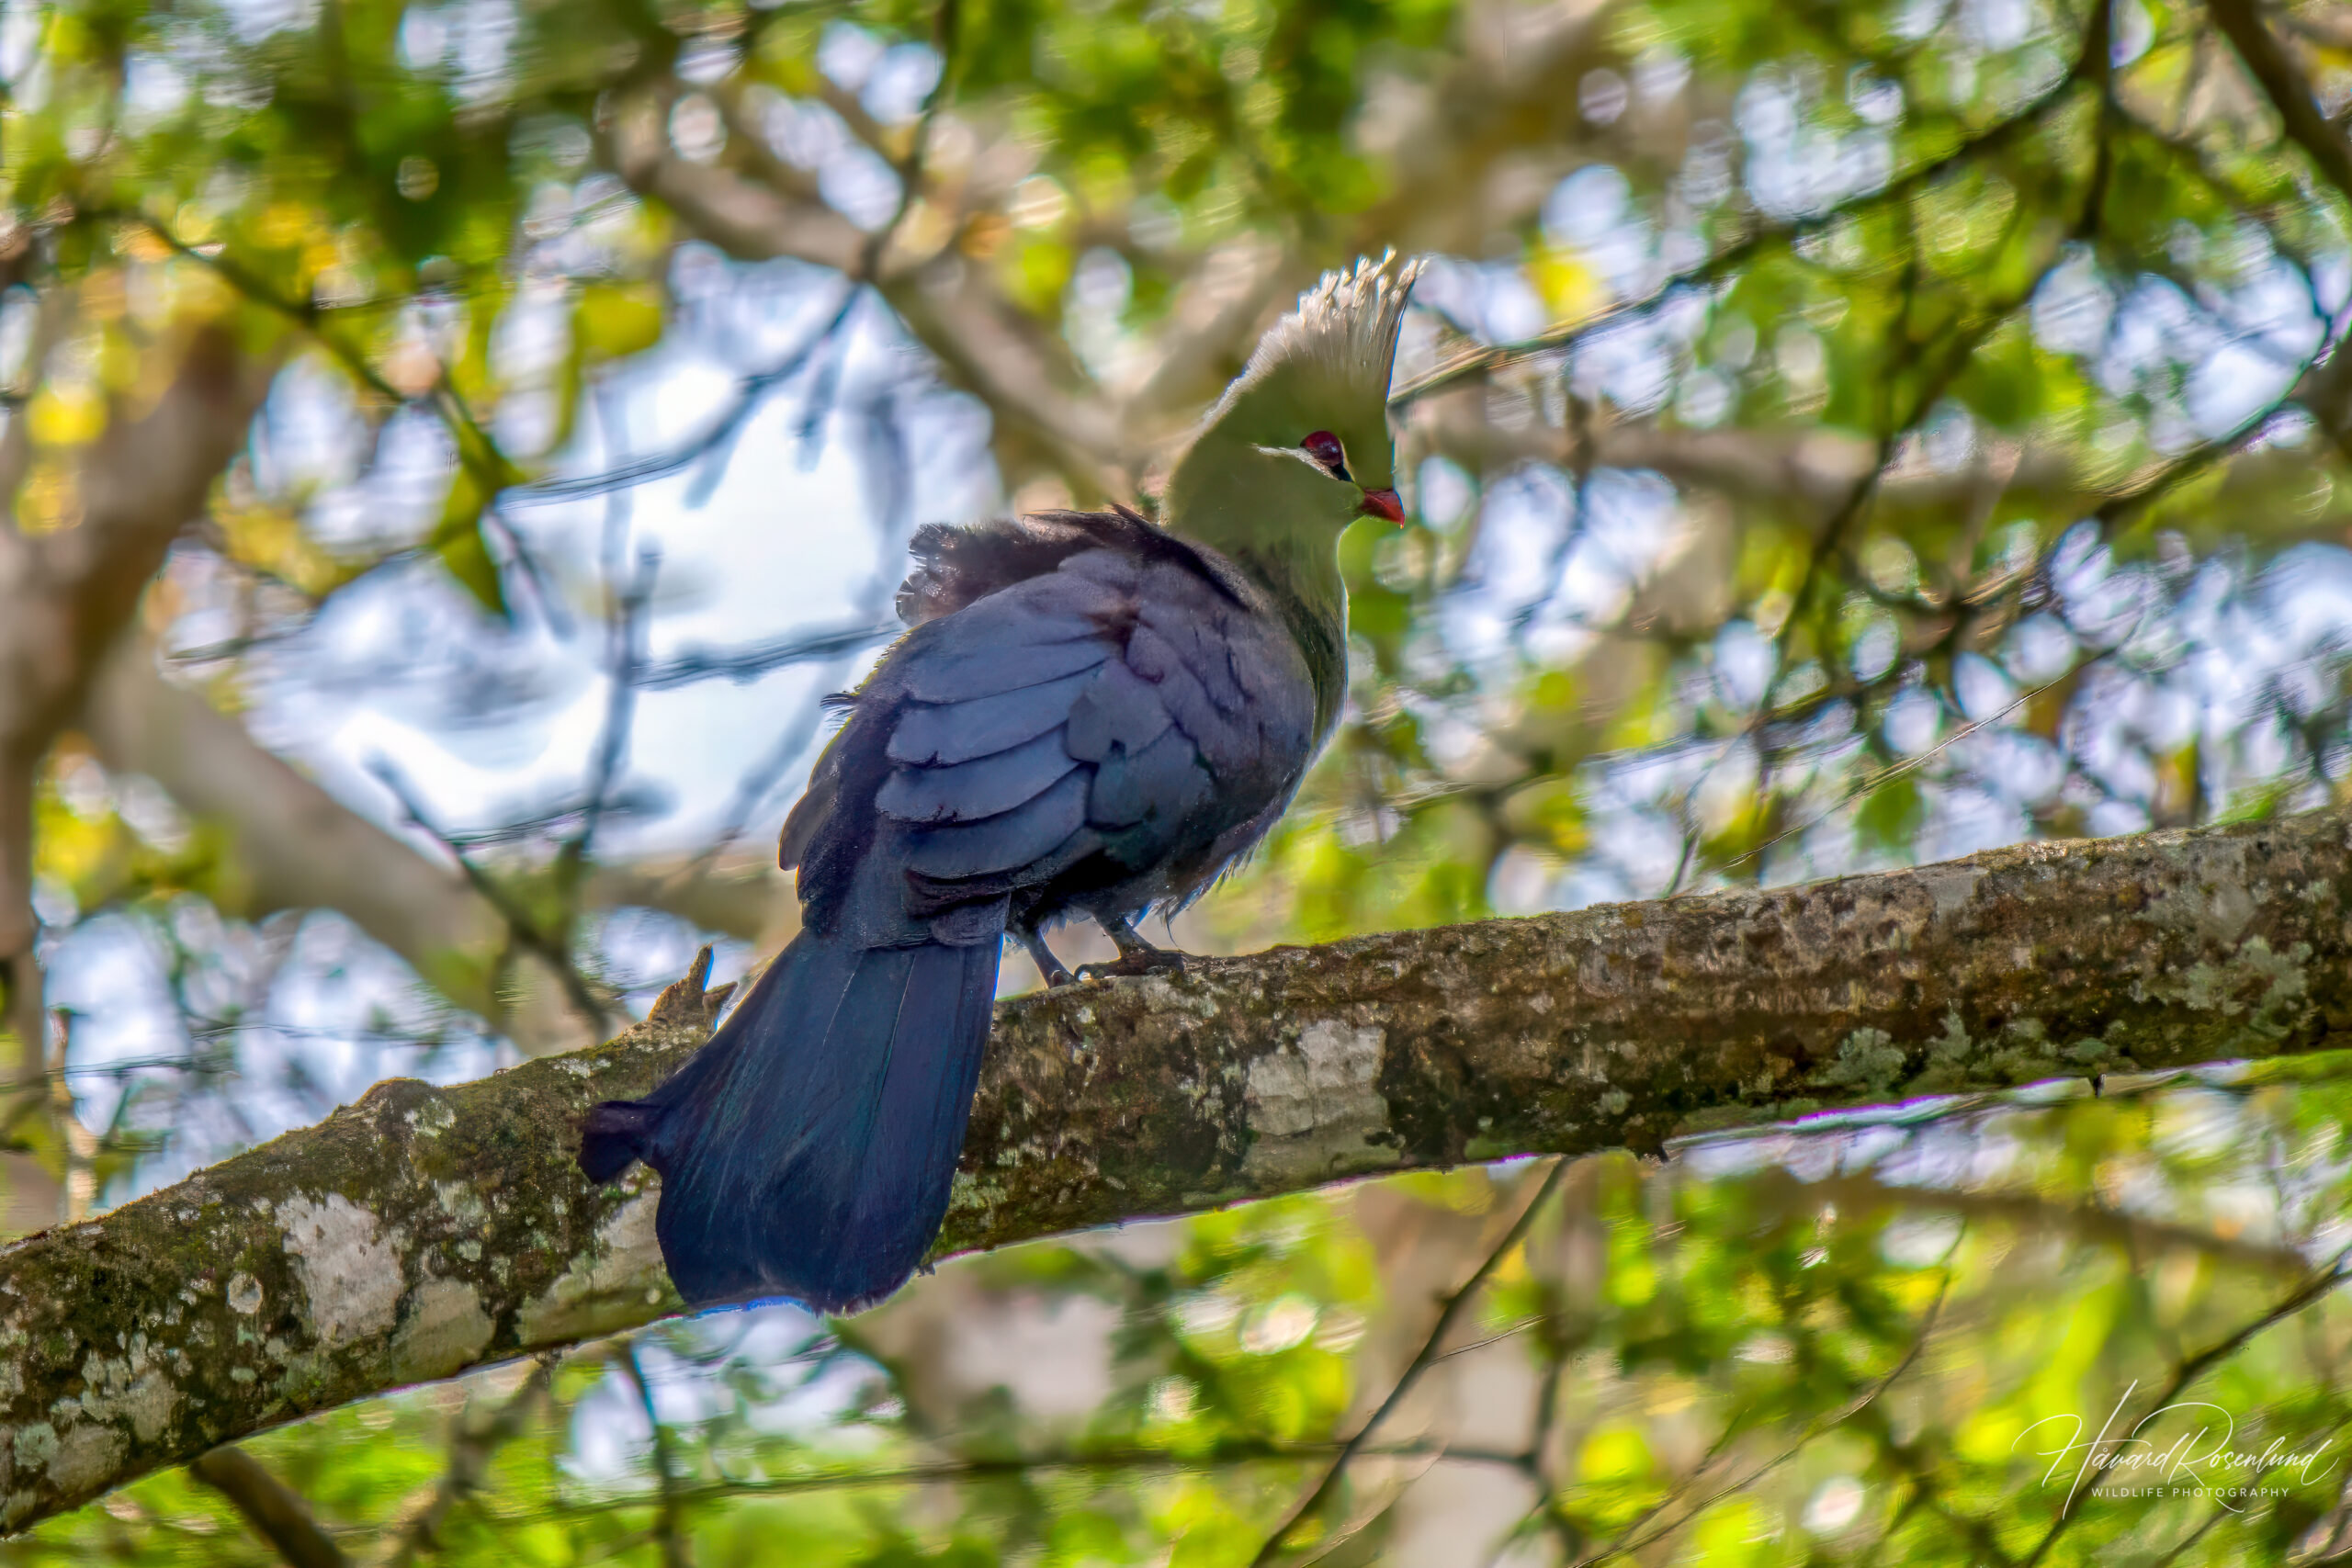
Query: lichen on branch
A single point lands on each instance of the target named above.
(425, 1230)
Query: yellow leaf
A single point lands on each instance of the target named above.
(1614, 1453)
(285, 224)
(50, 499)
(272, 538)
(615, 321)
(66, 416)
(1569, 286)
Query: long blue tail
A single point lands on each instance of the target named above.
(807, 1149)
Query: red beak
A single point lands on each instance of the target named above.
(1383, 503)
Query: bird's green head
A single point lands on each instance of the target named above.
(1298, 448)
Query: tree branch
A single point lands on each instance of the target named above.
(427, 1230)
(1208, 334)
(1028, 382)
(666, 1532)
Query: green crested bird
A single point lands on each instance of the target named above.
(1093, 713)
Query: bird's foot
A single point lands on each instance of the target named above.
(1151, 961)
(1136, 956)
(1052, 970)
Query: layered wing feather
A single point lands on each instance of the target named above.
(1127, 707)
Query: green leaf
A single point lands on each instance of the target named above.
(458, 541)
(1892, 814)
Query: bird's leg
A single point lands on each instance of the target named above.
(1052, 968)
(1136, 956)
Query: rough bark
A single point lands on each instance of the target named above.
(427, 1230)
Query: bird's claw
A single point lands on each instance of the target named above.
(1135, 962)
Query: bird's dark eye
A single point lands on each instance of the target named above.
(1325, 448)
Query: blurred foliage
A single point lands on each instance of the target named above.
(1840, 437)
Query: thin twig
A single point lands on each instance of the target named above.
(521, 927)
(739, 665)
(1455, 1305)
(749, 392)
(2321, 1283)
(473, 1441)
(1889, 774)
(949, 1472)
(666, 1523)
(625, 607)
(1735, 257)
(478, 450)
(1852, 1408)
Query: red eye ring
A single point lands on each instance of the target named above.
(1325, 448)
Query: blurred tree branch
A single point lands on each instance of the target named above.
(669, 1519)
(1027, 378)
(296, 847)
(1101, 1462)
(425, 1230)
(475, 1438)
(2089, 1221)
(1308, 1511)
(274, 1510)
(2289, 92)
(66, 593)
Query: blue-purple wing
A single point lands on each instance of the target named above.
(1129, 710)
